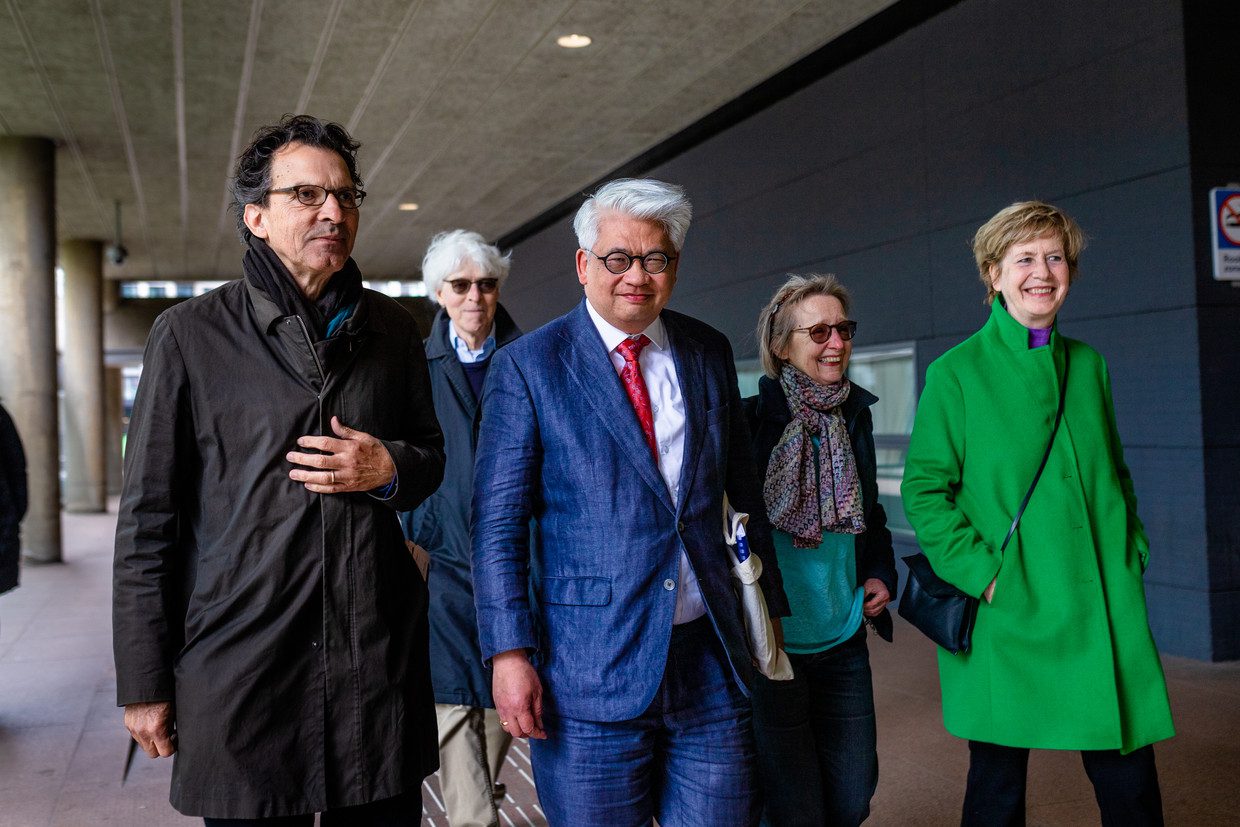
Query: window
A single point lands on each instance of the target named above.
(396, 288)
(166, 289)
(889, 373)
(748, 372)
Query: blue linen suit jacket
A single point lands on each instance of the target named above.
(575, 535)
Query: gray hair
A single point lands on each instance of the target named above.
(642, 198)
(775, 321)
(448, 251)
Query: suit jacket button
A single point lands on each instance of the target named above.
(680, 526)
(669, 584)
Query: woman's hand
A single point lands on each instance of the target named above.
(876, 597)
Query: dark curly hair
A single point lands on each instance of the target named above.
(252, 177)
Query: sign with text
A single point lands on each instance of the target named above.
(1225, 229)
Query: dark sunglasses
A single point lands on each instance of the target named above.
(821, 332)
(461, 286)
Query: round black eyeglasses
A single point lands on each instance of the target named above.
(619, 263)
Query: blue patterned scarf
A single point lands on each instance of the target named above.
(806, 498)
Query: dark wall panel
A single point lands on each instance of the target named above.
(1214, 123)
(881, 172)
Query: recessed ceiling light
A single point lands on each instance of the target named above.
(408, 206)
(574, 41)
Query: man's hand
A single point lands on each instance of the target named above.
(151, 726)
(876, 597)
(355, 462)
(518, 694)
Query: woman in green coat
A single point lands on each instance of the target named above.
(1062, 656)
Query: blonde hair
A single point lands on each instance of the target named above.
(775, 321)
(1024, 221)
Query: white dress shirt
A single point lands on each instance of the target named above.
(466, 354)
(668, 406)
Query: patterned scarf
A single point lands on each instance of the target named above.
(807, 498)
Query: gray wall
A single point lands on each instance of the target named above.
(880, 173)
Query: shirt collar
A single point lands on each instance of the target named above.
(464, 352)
(613, 336)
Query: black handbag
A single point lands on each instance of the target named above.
(935, 607)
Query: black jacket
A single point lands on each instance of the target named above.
(441, 524)
(12, 500)
(768, 417)
(288, 628)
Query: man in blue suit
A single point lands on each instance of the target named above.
(616, 638)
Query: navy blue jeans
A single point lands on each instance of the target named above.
(816, 737)
(687, 760)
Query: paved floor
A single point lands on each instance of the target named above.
(62, 746)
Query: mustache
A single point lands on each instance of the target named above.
(339, 231)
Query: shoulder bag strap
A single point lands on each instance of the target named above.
(1063, 388)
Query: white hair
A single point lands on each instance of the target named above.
(643, 198)
(448, 251)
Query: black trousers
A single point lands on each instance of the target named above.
(1126, 786)
(401, 811)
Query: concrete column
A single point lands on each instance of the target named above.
(113, 425)
(28, 308)
(113, 394)
(83, 421)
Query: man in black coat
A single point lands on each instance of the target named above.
(269, 623)
(12, 500)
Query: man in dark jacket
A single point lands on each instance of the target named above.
(464, 274)
(12, 500)
(269, 623)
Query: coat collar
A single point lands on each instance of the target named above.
(439, 351)
(1038, 367)
(439, 344)
(268, 313)
(1013, 334)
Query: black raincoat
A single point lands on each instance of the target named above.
(441, 524)
(288, 628)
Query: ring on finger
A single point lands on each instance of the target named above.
(333, 473)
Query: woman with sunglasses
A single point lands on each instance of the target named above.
(813, 440)
(464, 274)
(1061, 654)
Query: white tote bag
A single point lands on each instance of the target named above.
(747, 568)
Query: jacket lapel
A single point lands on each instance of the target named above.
(591, 369)
(689, 356)
(439, 349)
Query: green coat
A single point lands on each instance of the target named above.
(1063, 657)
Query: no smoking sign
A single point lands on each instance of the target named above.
(1225, 229)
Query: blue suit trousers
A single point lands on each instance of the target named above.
(687, 760)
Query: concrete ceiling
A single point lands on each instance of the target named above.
(466, 107)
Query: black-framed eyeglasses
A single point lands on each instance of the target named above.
(461, 286)
(619, 263)
(821, 332)
(312, 195)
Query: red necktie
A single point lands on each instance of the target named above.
(635, 385)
